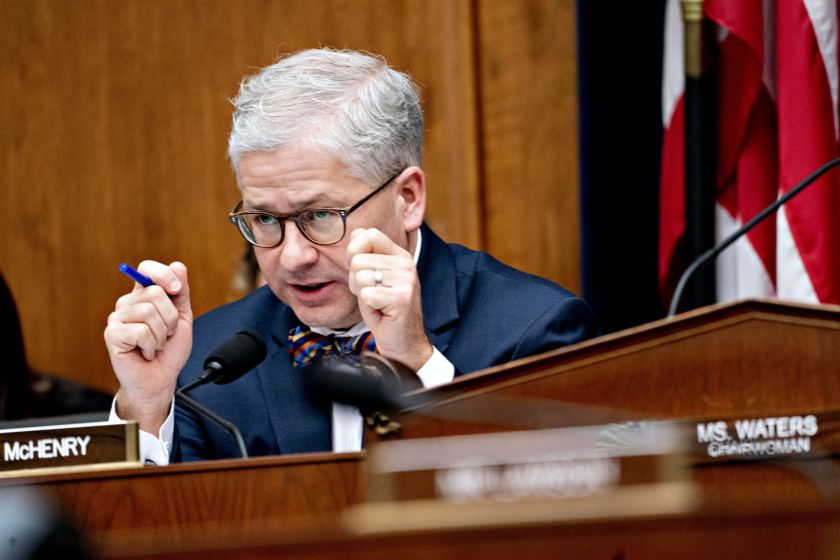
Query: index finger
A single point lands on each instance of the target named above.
(372, 241)
(161, 274)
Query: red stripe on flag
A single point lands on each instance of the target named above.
(746, 140)
(806, 141)
(757, 174)
(672, 203)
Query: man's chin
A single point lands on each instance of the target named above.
(327, 318)
(331, 309)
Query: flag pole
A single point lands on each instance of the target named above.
(700, 151)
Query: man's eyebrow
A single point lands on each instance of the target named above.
(258, 208)
(268, 209)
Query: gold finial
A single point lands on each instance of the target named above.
(692, 10)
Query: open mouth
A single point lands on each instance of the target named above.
(310, 287)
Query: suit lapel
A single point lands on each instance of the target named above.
(436, 269)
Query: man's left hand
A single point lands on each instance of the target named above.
(391, 307)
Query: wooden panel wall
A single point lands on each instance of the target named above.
(113, 125)
(528, 116)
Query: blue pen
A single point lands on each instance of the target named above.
(138, 277)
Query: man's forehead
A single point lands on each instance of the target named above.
(284, 194)
(289, 164)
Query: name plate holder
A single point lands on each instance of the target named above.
(553, 463)
(68, 448)
(525, 477)
(644, 467)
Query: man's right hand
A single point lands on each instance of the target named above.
(149, 338)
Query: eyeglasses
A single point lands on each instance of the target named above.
(322, 226)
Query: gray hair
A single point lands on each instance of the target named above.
(350, 104)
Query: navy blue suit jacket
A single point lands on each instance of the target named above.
(477, 311)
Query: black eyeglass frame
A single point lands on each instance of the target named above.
(235, 214)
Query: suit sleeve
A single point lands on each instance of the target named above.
(569, 321)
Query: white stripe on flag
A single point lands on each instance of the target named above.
(739, 271)
(792, 281)
(673, 75)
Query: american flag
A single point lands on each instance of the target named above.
(777, 106)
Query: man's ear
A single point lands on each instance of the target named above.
(412, 185)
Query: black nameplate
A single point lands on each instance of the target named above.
(791, 436)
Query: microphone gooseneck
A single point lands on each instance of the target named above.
(703, 260)
(227, 425)
(228, 362)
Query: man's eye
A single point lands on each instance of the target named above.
(318, 215)
(265, 219)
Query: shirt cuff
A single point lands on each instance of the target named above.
(436, 371)
(154, 450)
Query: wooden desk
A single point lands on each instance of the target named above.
(751, 358)
(289, 489)
(587, 528)
(746, 358)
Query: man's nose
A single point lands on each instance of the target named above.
(296, 250)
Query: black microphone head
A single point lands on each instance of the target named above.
(236, 356)
(340, 380)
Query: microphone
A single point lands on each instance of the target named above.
(226, 363)
(233, 358)
(342, 382)
(703, 260)
(376, 385)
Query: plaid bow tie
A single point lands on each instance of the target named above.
(306, 345)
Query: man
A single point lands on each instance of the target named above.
(327, 149)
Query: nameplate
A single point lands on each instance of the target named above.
(68, 447)
(538, 464)
(772, 437)
(580, 461)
